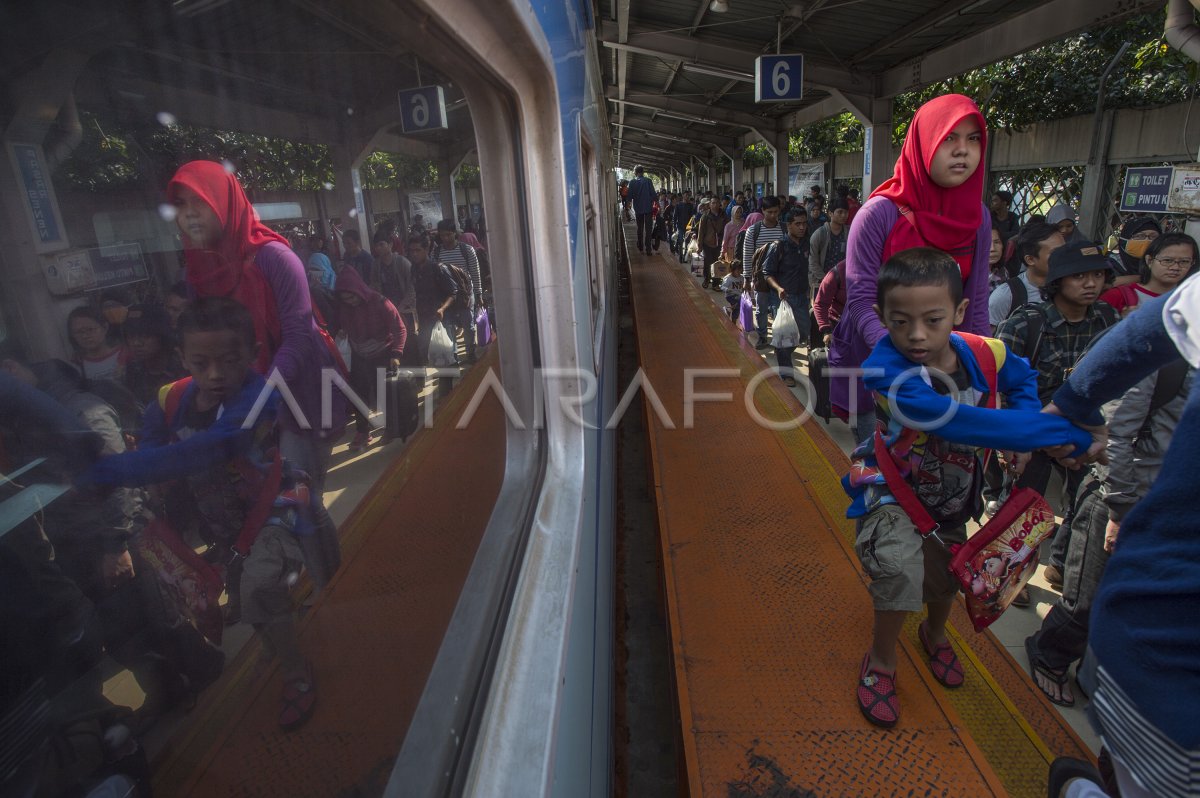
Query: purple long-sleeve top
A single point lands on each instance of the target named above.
(302, 352)
(859, 328)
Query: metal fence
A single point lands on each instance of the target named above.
(1036, 191)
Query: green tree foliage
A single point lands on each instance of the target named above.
(111, 156)
(389, 170)
(842, 133)
(1060, 80)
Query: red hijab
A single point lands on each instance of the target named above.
(229, 269)
(931, 216)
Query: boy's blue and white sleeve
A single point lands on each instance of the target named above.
(915, 404)
(227, 438)
(1017, 381)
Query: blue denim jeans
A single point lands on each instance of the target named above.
(765, 302)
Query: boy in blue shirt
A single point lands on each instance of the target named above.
(209, 431)
(931, 385)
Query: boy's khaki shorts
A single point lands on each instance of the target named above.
(270, 570)
(906, 571)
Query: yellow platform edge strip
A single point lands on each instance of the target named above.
(824, 484)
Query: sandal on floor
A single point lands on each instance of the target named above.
(1064, 769)
(299, 700)
(877, 695)
(942, 659)
(1059, 677)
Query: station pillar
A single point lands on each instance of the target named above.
(346, 200)
(875, 114)
(780, 145)
(31, 313)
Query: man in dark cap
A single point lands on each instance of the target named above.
(1052, 336)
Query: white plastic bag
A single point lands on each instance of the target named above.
(343, 345)
(441, 347)
(785, 334)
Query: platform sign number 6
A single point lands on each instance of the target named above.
(422, 109)
(778, 78)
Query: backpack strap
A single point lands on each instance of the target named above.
(901, 491)
(256, 516)
(1015, 285)
(170, 396)
(985, 353)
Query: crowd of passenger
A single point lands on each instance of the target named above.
(881, 285)
(187, 503)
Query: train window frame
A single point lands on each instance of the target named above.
(593, 249)
(462, 731)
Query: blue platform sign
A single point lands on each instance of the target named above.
(778, 78)
(37, 193)
(1146, 189)
(422, 109)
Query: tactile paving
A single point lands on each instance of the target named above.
(768, 610)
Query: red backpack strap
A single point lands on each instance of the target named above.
(901, 491)
(985, 356)
(256, 516)
(170, 396)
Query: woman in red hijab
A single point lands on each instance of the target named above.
(230, 253)
(933, 199)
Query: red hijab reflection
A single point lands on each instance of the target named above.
(944, 218)
(229, 269)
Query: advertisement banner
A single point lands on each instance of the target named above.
(426, 203)
(803, 176)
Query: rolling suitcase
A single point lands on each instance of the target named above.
(402, 415)
(818, 378)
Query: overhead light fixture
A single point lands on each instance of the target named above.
(666, 137)
(718, 72)
(719, 6)
(656, 149)
(663, 136)
(686, 118)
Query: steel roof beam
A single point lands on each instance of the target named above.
(678, 47)
(692, 134)
(671, 105)
(622, 76)
(810, 115)
(915, 28)
(1046, 23)
(636, 147)
(683, 149)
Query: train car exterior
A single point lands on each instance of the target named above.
(540, 723)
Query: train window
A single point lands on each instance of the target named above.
(269, 280)
(594, 249)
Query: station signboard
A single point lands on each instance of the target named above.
(1185, 190)
(37, 195)
(778, 78)
(422, 109)
(1146, 189)
(95, 269)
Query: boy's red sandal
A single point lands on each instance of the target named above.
(942, 659)
(299, 700)
(877, 695)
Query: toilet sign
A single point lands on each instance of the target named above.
(1146, 189)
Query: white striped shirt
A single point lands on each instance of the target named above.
(463, 255)
(765, 236)
(1161, 766)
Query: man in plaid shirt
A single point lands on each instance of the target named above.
(1052, 335)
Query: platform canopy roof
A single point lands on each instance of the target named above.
(683, 69)
(306, 70)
